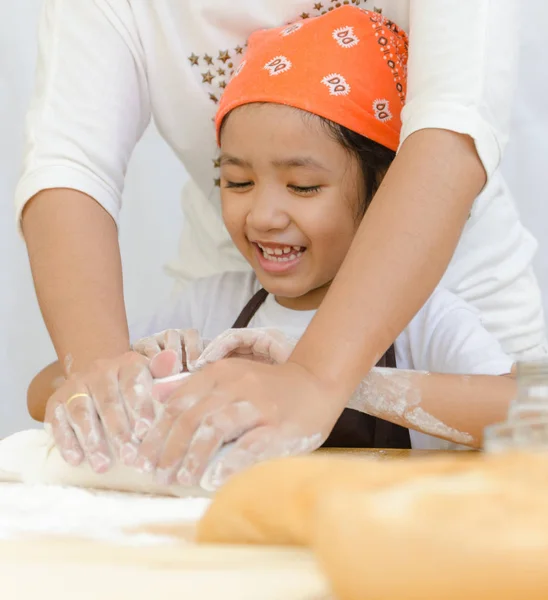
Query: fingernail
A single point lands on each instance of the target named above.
(217, 475)
(141, 428)
(144, 465)
(99, 462)
(74, 457)
(163, 476)
(212, 484)
(128, 454)
(185, 477)
(176, 368)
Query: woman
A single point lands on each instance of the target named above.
(107, 66)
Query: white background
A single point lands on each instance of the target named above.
(151, 217)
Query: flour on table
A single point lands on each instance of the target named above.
(34, 501)
(49, 510)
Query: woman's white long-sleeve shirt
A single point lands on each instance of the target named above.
(106, 67)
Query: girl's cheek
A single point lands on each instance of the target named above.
(235, 222)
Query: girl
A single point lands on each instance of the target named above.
(306, 138)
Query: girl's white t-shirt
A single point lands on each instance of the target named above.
(446, 335)
(106, 67)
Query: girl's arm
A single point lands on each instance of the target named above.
(453, 407)
(42, 387)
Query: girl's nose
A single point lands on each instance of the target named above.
(268, 212)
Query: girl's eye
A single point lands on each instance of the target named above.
(310, 189)
(238, 185)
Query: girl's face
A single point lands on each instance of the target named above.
(290, 196)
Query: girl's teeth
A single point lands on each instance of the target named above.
(280, 251)
(278, 258)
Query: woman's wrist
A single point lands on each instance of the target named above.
(338, 389)
(82, 357)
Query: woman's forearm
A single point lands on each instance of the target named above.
(398, 256)
(453, 407)
(75, 259)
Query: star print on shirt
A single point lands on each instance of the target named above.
(207, 77)
(221, 64)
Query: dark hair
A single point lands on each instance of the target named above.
(374, 158)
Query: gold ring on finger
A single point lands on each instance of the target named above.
(74, 396)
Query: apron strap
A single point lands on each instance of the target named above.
(389, 359)
(250, 309)
(390, 435)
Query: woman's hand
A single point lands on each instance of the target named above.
(99, 415)
(271, 410)
(269, 346)
(102, 414)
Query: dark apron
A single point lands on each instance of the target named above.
(354, 429)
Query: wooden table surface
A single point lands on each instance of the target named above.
(75, 569)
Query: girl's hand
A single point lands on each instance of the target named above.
(180, 348)
(269, 346)
(269, 410)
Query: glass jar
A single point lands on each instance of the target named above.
(532, 395)
(522, 434)
(527, 424)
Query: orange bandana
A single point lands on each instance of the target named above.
(348, 66)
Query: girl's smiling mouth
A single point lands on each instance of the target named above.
(278, 258)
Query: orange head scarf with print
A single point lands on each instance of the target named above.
(348, 66)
